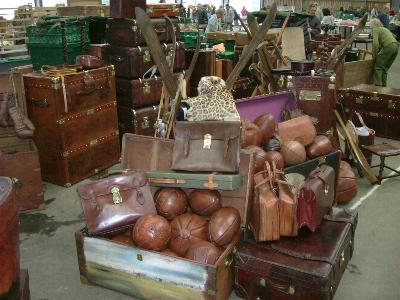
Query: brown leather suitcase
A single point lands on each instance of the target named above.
(126, 32)
(125, 8)
(22, 163)
(309, 266)
(95, 50)
(133, 62)
(159, 10)
(316, 98)
(140, 121)
(379, 107)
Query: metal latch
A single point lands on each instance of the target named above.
(207, 141)
(146, 88)
(146, 56)
(117, 198)
(391, 104)
(145, 123)
(360, 99)
(307, 95)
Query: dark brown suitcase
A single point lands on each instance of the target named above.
(309, 266)
(316, 98)
(205, 66)
(379, 107)
(139, 121)
(134, 62)
(159, 10)
(126, 32)
(125, 8)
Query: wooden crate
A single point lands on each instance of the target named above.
(356, 72)
(85, 10)
(84, 2)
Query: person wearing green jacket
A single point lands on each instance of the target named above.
(384, 51)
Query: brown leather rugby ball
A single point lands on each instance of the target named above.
(275, 156)
(293, 153)
(259, 158)
(152, 232)
(185, 230)
(251, 134)
(224, 225)
(205, 202)
(171, 202)
(267, 124)
(320, 146)
(203, 252)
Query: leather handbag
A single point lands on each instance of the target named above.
(316, 197)
(299, 129)
(206, 146)
(116, 202)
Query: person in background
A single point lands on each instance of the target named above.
(318, 12)
(375, 11)
(312, 28)
(202, 17)
(383, 16)
(384, 51)
(328, 19)
(214, 23)
(244, 12)
(229, 15)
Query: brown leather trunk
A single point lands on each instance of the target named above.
(25, 293)
(70, 147)
(132, 62)
(309, 266)
(9, 241)
(159, 10)
(140, 121)
(379, 107)
(125, 8)
(22, 163)
(316, 98)
(95, 50)
(224, 67)
(126, 32)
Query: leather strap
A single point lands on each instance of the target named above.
(301, 255)
(167, 180)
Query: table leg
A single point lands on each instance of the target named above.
(381, 167)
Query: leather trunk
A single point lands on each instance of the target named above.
(126, 32)
(70, 147)
(22, 162)
(9, 241)
(95, 50)
(134, 62)
(316, 98)
(125, 8)
(309, 266)
(140, 121)
(159, 10)
(138, 93)
(379, 107)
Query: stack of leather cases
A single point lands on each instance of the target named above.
(138, 86)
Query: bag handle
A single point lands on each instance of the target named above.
(360, 118)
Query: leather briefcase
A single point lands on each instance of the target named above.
(299, 129)
(206, 146)
(116, 202)
(316, 197)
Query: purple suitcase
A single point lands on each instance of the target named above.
(251, 108)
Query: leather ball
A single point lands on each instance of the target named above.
(267, 124)
(251, 134)
(275, 156)
(320, 146)
(205, 202)
(224, 225)
(169, 252)
(203, 252)
(152, 232)
(346, 188)
(185, 230)
(171, 202)
(259, 158)
(125, 238)
(293, 153)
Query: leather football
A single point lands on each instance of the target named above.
(293, 153)
(346, 188)
(152, 232)
(171, 202)
(320, 146)
(185, 230)
(224, 225)
(125, 238)
(251, 134)
(259, 158)
(205, 202)
(275, 156)
(266, 123)
(169, 252)
(203, 252)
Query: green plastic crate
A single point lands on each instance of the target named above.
(45, 54)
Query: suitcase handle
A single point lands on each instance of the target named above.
(287, 289)
(167, 181)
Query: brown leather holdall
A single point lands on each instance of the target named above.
(116, 202)
(137, 121)
(207, 146)
(126, 32)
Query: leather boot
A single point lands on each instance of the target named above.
(22, 125)
(4, 110)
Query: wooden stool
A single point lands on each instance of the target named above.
(383, 151)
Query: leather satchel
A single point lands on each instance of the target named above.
(299, 129)
(116, 202)
(316, 197)
(206, 146)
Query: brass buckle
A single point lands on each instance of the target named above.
(391, 104)
(146, 88)
(207, 141)
(326, 189)
(145, 123)
(117, 198)
(360, 99)
(146, 56)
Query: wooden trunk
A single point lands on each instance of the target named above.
(84, 10)
(354, 73)
(140, 121)
(22, 162)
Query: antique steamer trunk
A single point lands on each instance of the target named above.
(379, 107)
(64, 110)
(9, 241)
(126, 32)
(309, 266)
(140, 121)
(22, 163)
(134, 62)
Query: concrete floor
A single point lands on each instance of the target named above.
(48, 245)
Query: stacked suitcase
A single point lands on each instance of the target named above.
(138, 87)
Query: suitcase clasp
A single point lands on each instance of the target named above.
(360, 99)
(146, 56)
(117, 199)
(174, 8)
(146, 88)
(149, 9)
(145, 123)
(375, 96)
(391, 104)
(207, 141)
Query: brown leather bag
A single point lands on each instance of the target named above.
(299, 129)
(287, 207)
(206, 146)
(116, 202)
